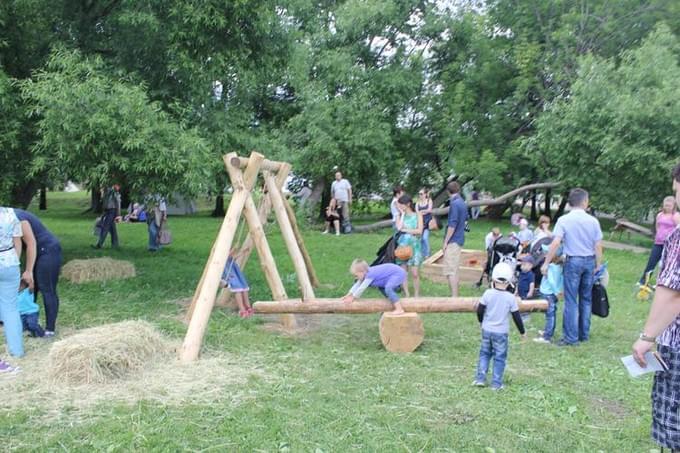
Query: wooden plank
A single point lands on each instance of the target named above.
(267, 165)
(289, 237)
(362, 306)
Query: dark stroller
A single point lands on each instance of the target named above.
(386, 252)
(538, 251)
(504, 250)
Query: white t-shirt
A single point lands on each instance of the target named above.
(340, 190)
(499, 305)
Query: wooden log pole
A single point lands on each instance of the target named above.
(401, 333)
(205, 301)
(362, 306)
(267, 165)
(301, 244)
(278, 203)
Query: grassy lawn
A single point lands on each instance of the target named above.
(333, 387)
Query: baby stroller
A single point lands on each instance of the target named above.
(504, 250)
(538, 251)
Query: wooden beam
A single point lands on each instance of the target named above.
(205, 301)
(361, 306)
(278, 203)
(267, 165)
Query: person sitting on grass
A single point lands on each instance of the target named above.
(29, 311)
(552, 285)
(234, 280)
(332, 217)
(493, 312)
(388, 278)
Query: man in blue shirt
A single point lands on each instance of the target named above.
(582, 238)
(455, 236)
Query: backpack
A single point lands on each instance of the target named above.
(600, 306)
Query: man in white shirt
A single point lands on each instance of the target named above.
(341, 190)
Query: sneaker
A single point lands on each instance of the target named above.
(479, 384)
(496, 388)
(563, 343)
(49, 334)
(96, 246)
(6, 368)
(325, 232)
(337, 233)
(541, 333)
(541, 340)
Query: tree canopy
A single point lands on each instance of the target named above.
(500, 92)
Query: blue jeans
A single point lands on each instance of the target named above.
(30, 322)
(425, 242)
(654, 258)
(9, 312)
(153, 236)
(493, 345)
(109, 226)
(578, 288)
(549, 329)
(47, 267)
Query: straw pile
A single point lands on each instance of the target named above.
(97, 269)
(105, 353)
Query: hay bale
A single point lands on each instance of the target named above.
(105, 353)
(97, 269)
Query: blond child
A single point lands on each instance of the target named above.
(387, 278)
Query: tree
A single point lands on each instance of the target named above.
(617, 133)
(100, 129)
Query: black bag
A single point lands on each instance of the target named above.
(600, 305)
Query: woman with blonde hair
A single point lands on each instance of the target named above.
(666, 221)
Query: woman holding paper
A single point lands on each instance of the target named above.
(663, 328)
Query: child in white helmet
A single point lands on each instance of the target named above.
(493, 311)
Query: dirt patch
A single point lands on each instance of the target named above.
(615, 408)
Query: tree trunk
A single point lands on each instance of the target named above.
(496, 212)
(534, 211)
(23, 194)
(124, 198)
(546, 207)
(43, 198)
(319, 197)
(219, 206)
(563, 204)
(96, 204)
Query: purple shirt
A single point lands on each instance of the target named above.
(380, 276)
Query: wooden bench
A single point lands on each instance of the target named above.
(623, 225)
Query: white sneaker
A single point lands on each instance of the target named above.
(541, 340)
(479, 384)
(325, 232)
(337, 233)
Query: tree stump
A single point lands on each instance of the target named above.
(401, 333)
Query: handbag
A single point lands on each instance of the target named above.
(600, 304)
(164, 235)
(403, 252)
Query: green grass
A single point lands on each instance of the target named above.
(335, 388)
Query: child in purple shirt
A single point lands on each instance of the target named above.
(388, 278)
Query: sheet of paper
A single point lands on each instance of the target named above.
(636, 370)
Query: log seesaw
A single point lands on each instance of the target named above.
(398, 333)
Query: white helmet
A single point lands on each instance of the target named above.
(502, 272)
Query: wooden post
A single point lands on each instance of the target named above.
(218, 258)
(289, 236)
(301, 243)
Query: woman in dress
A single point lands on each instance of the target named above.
(10, 251)
(666, 221)
(410, 225)
(663, 329)
(424, 207)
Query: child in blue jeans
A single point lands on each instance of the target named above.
(29, 311)
(388, 278)
(493, 311)
(552, 285)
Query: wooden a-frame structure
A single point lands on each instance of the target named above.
(243, 173)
